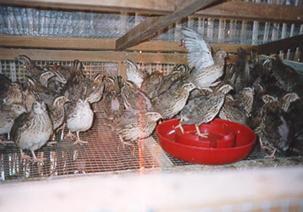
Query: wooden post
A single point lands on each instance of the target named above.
(221, 30)
(201, 26)
(275, 32)
(284, 30)
(297, 54)
(13, 74)
(243, 31)
(178, 28)
(123, 22)
(255, 31)
(210, 29)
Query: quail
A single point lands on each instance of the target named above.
(57, 113)
(80, 119)
(204, 108)
(207, 70)
(172, 102)
(33, 129)
(274, 129)
(238, 108)
(131, 128)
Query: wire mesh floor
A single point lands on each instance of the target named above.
(105, 153)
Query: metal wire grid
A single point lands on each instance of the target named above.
(103, 153)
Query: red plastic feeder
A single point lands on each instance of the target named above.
(227, 142)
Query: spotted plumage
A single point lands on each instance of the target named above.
(32, 130)
(172, 102)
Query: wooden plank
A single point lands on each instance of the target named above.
(83, 43)
(100, 44)
(151, 26)
(261, 12)
(231, 9)
(171, 189)
(104, 56)
(283, 44)
(144, 6)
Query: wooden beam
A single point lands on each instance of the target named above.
(283, 44)
(231, 9)
(150, 27)
(144, 6)
(102, 56)
(35, 42)
(255, 11)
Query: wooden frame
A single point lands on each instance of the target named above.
(101, 44)
(231, 9)
(152, 26)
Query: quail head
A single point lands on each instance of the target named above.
(172, 102)
(138, 126)
(96, 89)
(32, 130)
(204, 108)
(32, 69)
(13, 94)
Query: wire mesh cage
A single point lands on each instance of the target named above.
(104, 152)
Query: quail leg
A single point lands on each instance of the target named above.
(24, 156)
(203, 135)
(78, 140)
(62, 128)
(124, 143)
(180, 127)
(37, 160)
(272, 155)
(70, 135)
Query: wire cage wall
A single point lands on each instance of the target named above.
(104, 151)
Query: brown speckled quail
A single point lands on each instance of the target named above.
(137, 126)
(204, 108)
(136, 99)
(238, 108)
(57, 113)
(172, 102)
(150, 83)
(180, 73)
(32, 130)
(274, 130)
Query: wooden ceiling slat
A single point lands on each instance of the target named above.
(152, 26)
(283, 44)
(230, 9)
(65, 43)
